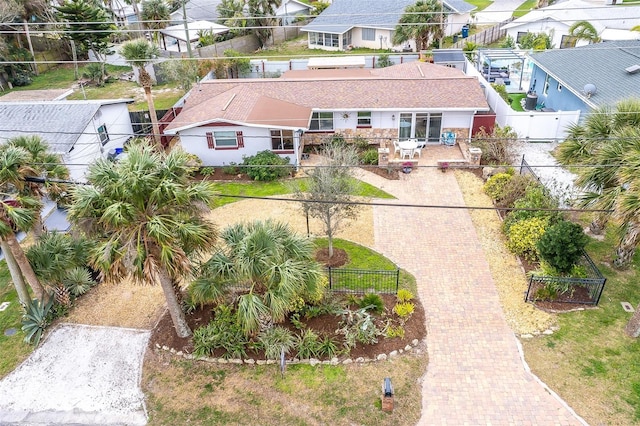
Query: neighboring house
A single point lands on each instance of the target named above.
(613, 22)
(197, 10)
(224, 120)
(371, 24)
(290, 10)
(124, 12)
(177, 34)
(80, 131)
(587, 77)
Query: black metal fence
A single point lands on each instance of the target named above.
(363, 280)
(525, 169)
(141, 121)
(584, 291)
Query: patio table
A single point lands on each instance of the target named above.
(408, 147)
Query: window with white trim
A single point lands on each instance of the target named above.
(364, 118)
(369, 34)
(282, 140)
(321, 121)
(324, 39)
(545, 89)
(103, 134)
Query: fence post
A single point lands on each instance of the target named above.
(397, 279)
(526, 297)
(330, 279)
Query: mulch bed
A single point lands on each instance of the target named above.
(339, 258)
(324, 325)
(565, 301)
(390, 174)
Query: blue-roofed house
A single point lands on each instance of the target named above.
(80, 131)
(586, 77)
(371, 23)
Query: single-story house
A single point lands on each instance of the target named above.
(80, 131)
(586, 77)
(371, 24)
(197, 10)
(224, 120)
(290, 10)
(556, 20)
(177, 34)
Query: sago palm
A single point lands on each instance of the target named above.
(148, 218)
(268, 264)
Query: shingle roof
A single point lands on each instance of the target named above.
(342, 15)
(59, 123)
(414, 85)
(602, 64)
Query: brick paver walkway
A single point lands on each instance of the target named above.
(475, 375)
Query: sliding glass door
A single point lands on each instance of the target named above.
(422, 126)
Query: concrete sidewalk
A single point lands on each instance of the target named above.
(475, 374)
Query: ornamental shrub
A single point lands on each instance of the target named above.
(561, 245)
(404, 295)
(523, 237)
(266, 166)
(372, 302)
(537, 198)
(369, 157)
(495, 186)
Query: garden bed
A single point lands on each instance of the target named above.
(325, 325)
(387, 173)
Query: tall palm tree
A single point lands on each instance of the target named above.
(262, 13)
(584, 30)
(17, 212)
(421, 22)
(265, 261)
(148, 219)
(43, 164)
(155, 16)
(608, 142)
(139, 53)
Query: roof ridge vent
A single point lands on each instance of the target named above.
(632, 69)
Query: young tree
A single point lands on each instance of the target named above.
(270, 265)
(139, 53)
(184, 71)
(148, 219)
(89, 25)
(332, 183)
(421, 22)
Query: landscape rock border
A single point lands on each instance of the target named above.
(293, 361)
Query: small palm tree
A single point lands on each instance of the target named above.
(584, 30)
(156, 16)
(139, 53)
(148, 219)
(421, 22)
(270, 265)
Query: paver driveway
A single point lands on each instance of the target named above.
(475, 375)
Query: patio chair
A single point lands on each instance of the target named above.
(396, 147)
(448, 138)
(418, 150)
(407, 152)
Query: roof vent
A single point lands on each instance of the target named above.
(590, 90)
(632, 69)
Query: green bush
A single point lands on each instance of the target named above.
(404, 295)
(495, 186)
(207, 171)
(537, 198)
(35, 320)
(404, 309)
(562, 245)
(231, 169)
(327, 348)
(372, 303)
(224, 332)
(369, 157)
(267, 166)
(501, 89)
(307, 344)
(523, 237)
(546, 293)
(391, 332)
(516, 189)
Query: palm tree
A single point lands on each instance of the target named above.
(139, 53)
(155, 16)
(584, 30)
(147, 217)
(262, 18)
(17, 212)
(45, 165)
(608, 141)
(269, 264)
(421, 22)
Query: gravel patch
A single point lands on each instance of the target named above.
(508, 275)
(79, 375)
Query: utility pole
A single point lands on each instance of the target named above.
(186, 28)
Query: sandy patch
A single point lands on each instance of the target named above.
(79, 375)
(359, 230)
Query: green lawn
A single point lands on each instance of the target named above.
(525, 8)
(281, 187)
(515, 101)
(297, 47)
(590, 362)
(479, 4)
(13, 349)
